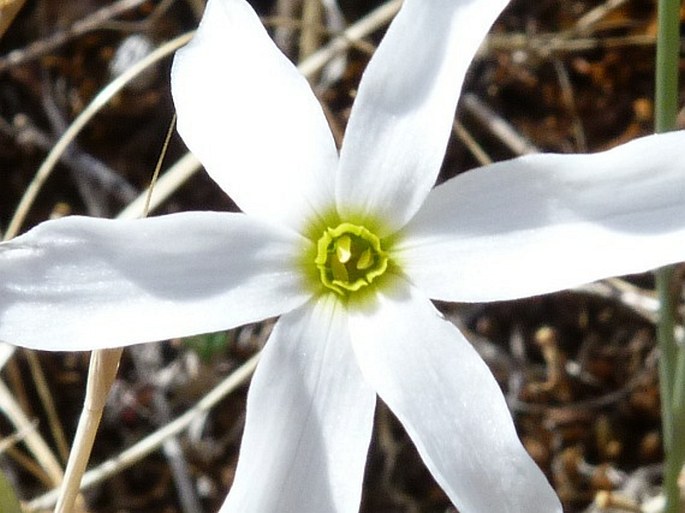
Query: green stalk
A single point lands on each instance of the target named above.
(669, 375)
(678, 442)
(667, 55)
(672, 362)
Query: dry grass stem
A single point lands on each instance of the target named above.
(28, 463)
(101, 374)
(310, 36)
(35, 443)
(570, 104)
(155, 440)
(496, 125)
(365, 26)
(167, 184)
(45, 395)
(546, 45)
(594, 16)
(474, 147)
(87, 24)
(283, 33)
(642, 302)
(80, 122)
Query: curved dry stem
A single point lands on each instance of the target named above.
(80, 122)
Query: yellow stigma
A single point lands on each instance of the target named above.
(349, 257)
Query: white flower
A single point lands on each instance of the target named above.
(348, 250)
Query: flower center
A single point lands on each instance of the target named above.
(349, 257)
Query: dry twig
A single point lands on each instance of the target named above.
(87, 24)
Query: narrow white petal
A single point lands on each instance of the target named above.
(449, 403)
(401, 119)
(83, 283)
(309, 420)
(543, 223)
(252, 119)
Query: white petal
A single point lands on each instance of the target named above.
(543, 223)
(309, 420)
(252, 119)
(449, 403)
(82, 283)
(401, 119)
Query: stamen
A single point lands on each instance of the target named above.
(349, 257)
(343, 248)
(339, 271)
(365, 260)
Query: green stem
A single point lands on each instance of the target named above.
(667, 56)
(670, 373)
(672, 362)
(678, 441)
(678, 398)
(668, 350)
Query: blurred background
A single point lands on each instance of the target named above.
(578, 367)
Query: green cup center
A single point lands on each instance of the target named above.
(349, 257)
